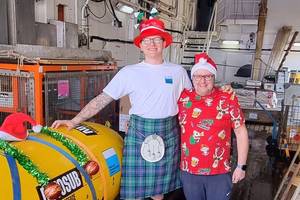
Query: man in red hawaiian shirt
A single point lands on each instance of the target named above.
(206, 116)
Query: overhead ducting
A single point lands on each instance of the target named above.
(244, 71)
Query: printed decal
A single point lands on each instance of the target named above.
(185, 149)
(218, 155)
(194, 161)
(196, 112)
(169, 80)
(195, 138)
(208, 102)
(186, 103)
(85, 129)
(222, 110)
(204, 171)
(112, 161)
(69, 182)
(205, 124)
(204, 150)
(184, 165)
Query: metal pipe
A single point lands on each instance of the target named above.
(171, 14)
(146, 10)
(176, 8)
(159, 3)
(83, 18)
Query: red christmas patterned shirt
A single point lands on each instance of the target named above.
(206, 124)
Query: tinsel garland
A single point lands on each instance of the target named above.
(80, 155)
(25, 162)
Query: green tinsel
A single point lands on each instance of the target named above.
(25, 162)
(80, 155)
(32, 169)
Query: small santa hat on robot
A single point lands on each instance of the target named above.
(13, 127)
(203, 61)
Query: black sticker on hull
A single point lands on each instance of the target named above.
(85, 129)
(69, 182)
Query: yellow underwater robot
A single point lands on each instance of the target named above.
(84, 163)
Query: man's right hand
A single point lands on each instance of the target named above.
(68, 123)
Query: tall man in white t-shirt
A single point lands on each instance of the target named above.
(150, 165)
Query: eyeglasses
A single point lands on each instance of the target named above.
(148, 41)
(205, 77)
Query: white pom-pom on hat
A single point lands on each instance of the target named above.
(203, 61)
(37, 128)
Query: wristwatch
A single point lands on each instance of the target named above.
(242, 167)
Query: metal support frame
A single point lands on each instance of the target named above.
(275, 124)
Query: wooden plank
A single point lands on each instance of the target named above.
(260, 38)
(280, 42)
(296, 181)
(288, 50)
(285, 189)
(296, 195)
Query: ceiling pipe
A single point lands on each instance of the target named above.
(170, 14)
(84, 21)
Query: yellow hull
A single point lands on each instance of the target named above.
(100, 143)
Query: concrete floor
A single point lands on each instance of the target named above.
(262, 180)
(260, 183)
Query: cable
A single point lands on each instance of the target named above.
(108, 7)
(174, 31)
(93, 37)
(113, 13)
(86, 14)
(97, 15)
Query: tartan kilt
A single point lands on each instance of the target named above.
(140, 178)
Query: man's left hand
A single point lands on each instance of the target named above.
(238, 175)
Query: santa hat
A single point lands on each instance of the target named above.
(203, 61)
(152, 27)
(13, 128)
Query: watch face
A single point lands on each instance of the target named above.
(244, 167)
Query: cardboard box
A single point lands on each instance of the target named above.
(246, 97)
(281, 77)
(6, 99)
(279, 87)
(269, 86)
(266, 98)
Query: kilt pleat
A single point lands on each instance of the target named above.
(142, 179)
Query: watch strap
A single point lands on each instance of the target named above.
(242, 167)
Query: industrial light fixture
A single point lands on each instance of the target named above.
(124, 8)
(296, 44)
(231, 42)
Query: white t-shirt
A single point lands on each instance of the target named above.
(153, 89)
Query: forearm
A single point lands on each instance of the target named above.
(242, 144)
(92, 108)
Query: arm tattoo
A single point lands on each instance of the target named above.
(92, 108)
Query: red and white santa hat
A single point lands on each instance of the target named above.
(203, 61)
(13, 127)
